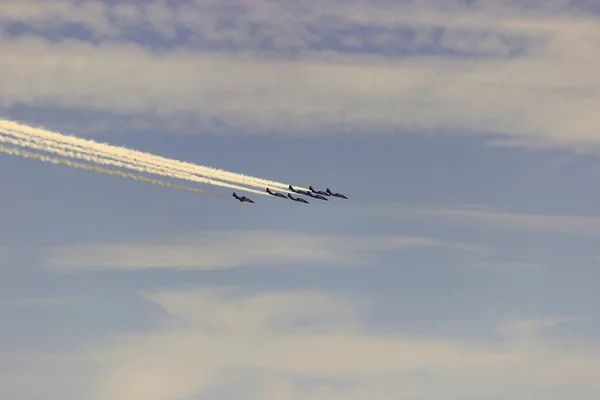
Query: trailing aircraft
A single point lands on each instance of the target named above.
(321, 192)
(276, 194)
(329, 192)
(317, 196)
(242, 199)
(304, 192)
(297, 199)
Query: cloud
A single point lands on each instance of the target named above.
(494, 219)
(530, 328)
(238, 249)
(491, 67)
(234, 342)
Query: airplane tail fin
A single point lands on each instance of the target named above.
(311, 188)
(290, 187)
(328, 191)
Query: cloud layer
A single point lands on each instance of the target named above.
(443, 66)
(218, 250)
(314, 345)
(493, 219)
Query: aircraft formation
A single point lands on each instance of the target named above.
(315, 194)
(67, 148)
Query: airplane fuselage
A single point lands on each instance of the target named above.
(341, 196)
(298, 199)
(276, 194)
(242, 199)
(316, 196)
(321, 192)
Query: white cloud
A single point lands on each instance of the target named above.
(235, 342)
(548, 94)
(494, 219)
(237, 249)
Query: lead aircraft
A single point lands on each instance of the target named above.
(329, 192)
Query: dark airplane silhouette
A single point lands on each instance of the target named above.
(304, 192)
(297, 199)
(329, 192)
(276, 194)
(321, 192)
(242, 199)
(317, 196)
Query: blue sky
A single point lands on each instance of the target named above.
(463, 265)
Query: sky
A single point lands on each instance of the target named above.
(464, 264)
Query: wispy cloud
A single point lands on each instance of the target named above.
(493, 219)
(238, 249)
(530, 328)
(264, 344)
(491, 67)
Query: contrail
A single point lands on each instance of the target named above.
(86, 167)
(47, 145)
(125, 153)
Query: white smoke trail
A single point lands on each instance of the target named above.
(125, 153)
(45, 145)
(93, 153)
(86, 167)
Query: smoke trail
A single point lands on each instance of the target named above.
(46, 145)
(138, 156)
(86, 167)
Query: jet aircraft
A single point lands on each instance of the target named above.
(317, 196)
(304, 192)
(329, 192)
(297, 199)
(242, 199)
(276, 194)
(321, 192)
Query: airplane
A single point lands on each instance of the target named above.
(275, 194)
(329, 192)
(242, 199)
(317, 196)
(297, 199)
(304, 192)
(321, 192)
